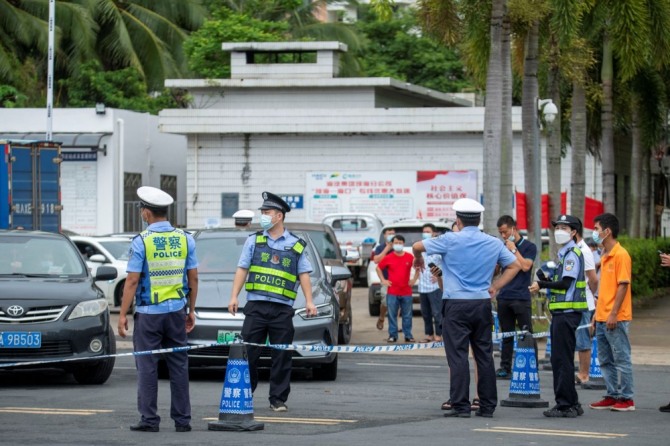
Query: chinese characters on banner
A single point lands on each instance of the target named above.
(438, 190)
(390, 195)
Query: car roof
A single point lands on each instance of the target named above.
(29, 233)
(98, 238)
(351, 214)
(413, 223)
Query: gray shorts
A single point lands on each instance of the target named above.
(383, 291)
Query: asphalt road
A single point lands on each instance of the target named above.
(376, 400)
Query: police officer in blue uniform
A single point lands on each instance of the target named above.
(271, 268)
(242, 218)
(163, 281)
(469, 258)
(567, 302)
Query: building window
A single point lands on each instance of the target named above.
(131, 214)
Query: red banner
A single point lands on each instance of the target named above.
(592, 208)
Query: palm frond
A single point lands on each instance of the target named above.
(629, 31)
(440, 19)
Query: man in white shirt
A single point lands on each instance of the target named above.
(584, 334)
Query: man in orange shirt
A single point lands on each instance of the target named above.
(614, 311)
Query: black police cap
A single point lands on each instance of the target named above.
(272, 201)
(569, 220)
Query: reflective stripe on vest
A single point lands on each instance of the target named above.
(166, 254)
(273, 272)
(559, 298)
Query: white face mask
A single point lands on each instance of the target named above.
(562, 237)
(511, 238)
(398, 248)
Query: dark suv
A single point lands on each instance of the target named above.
(50, 307)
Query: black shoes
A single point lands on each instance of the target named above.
(453, 413)
(665, 408)
(142, 427)
(479, 413)
(503, 374)
(184, 428)
(555, 412)
(278, 406)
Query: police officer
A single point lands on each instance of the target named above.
(567, 302)
(243, 218)
(469, 258)
(163, 281)
(271, 268)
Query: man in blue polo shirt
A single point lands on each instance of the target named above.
(469, 258)
(514, 304)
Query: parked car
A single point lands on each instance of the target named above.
(109, 251)
(356, 232)
(218, 253)
(328, 249)
(50, 307)
(410, 229)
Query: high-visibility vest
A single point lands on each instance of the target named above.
(273, 272)
(561, 300)
(165, 253)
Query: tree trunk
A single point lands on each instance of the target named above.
(507, 146)
(578, 138)
(554, 150)
(645, 193)
(607, 128)
(529, 126)
(493, 122)
(635, 172)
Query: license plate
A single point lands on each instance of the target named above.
(227, 336)
(20, 339)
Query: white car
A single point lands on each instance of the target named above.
(107, 251)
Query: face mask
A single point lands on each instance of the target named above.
(511, 238)
(266, 222)
(596, 237)
(426, 235)
(562, 237)
(389, 238)
(145, 224)
(398, 248)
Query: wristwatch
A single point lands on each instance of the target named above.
(514, 251)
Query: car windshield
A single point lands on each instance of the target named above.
(325, 245)
(218, 253)
(118, 249)
(39, 256)
(353, 229)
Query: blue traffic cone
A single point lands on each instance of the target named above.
(596, 380)
(546, 364)
(236, 411)
(524, 389)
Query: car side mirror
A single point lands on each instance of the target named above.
(97, 258)
(338, 273)
(105, 273)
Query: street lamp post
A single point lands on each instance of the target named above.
(549, 111)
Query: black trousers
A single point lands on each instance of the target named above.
(268, 319)
(513, 314)
(563, 341)
(468, 323)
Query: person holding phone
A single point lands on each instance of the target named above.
(429, 292)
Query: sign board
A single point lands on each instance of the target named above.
(388, 194)
(294, 200)
(79, 189)
(437, 190)
(230, 202)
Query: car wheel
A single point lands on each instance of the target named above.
(327, 372)
(344, 330)
(97, 372)
(373, 303)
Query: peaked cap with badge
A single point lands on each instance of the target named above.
(568, 220)
(272, 201)
(153, 198)
(467, 208)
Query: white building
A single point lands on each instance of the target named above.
(284, 127)
(107, 155)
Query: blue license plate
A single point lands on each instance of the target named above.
(20, 339)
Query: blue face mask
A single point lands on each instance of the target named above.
(596, 237)
(266, 222)
(511, 238)
(389, 238)
(426, 235)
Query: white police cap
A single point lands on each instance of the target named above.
(468, 206)
(243, 216)
(154, 198)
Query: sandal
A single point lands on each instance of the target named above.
(380, 324)
(410, 340)
(426, 340)
(391, 339)
(475, 404)
(446, 405)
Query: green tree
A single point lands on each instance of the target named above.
(396, 48)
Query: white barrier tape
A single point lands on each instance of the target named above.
(293, 347)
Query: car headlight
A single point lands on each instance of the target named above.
(322, 311)
(89, 308)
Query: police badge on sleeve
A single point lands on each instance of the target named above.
(569, 265)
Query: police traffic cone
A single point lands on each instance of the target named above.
(524, 389)
(236, 411)
(596, 380)
(547, 352)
